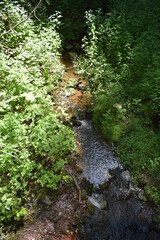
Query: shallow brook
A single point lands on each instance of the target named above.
(112, 208)
(117, 211)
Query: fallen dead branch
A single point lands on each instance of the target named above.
(75, 182)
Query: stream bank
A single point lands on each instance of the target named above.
(110, 207)
(116, 208)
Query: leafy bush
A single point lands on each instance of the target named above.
(35, 144)
(108, 115)
(121, 61)
(73, 24)
(139, 150)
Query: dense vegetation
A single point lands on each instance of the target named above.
(73, 25)
(121, 61)
(34, 142)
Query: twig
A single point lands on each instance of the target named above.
(3, 145)
(11, 99)
(9, 154)
(75, 182)
(36, 16)
(67, 68)
(11, 29)
(9, 19)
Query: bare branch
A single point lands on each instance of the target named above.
(9, 154)
(19, 23)
(76, 183)
(36, 16)
(9, 20)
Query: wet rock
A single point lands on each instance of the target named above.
(87, 186)
(143, 181)
(108, 176)
(75, 121)
(73, 56)
(44, 200)
(81, 87)
(81, 114)
(141, 195)
(125, 186)
(90, 207)
(98, 201)
(126, 176)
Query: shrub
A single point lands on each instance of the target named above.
(35, 144)
(121, 59)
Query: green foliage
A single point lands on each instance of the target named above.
(108, 115)
(73, 22)
(121, 61)
(139, 150)
(35, 144)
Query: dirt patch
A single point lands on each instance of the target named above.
(74, 92)
(80, 99)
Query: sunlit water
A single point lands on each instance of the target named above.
(125, 217)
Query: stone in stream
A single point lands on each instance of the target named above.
(98, 200)
(81, 87)
(75, 121)
(73, 56)
(141, 195)
(124, 188)
(44, 200)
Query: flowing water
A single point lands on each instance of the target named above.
(118, 209)
(118, 212)
(98, 157)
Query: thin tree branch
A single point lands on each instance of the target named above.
(11, 99)
(3, 145)
(19, 23)
(9, 154)
(9, 20)
(36, 16)
(76, 183)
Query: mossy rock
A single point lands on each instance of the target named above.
(87, 186)
(90, 207)
(83, 196)
(156, 218)
(79, 169)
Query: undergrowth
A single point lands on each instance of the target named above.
(121, 61)
(34, 142)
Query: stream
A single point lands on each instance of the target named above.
(112, 207)
(118, 211)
